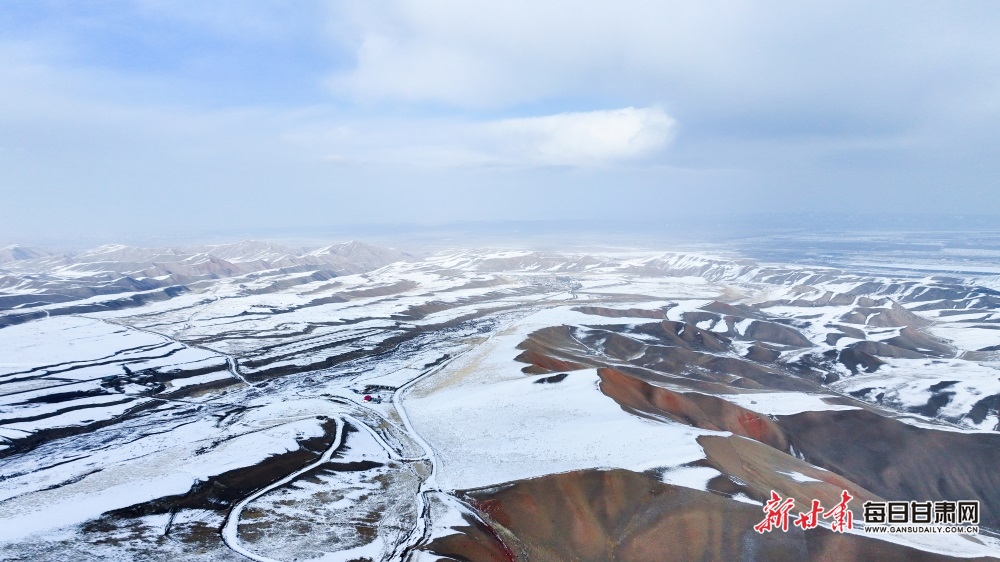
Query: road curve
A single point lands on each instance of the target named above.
(230, 528)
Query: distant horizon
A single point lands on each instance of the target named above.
(911, 242)
(685, 230)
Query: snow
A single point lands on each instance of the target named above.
(14, 412)
(10, 433)
(77, 417)
(968, 338)
(66, 339)
(741, 326)
(798, 476)
(696, 477)
(162, 464)
(784, 403)
(448, 514)
(521, 430)
(176, 384)
(229, 530)
(488, 424)
(676, 313)
(478, 418)
(907, 382)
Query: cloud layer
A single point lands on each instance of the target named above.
(435, 110)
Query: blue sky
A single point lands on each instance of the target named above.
(191, 116)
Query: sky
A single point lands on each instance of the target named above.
(191, 116)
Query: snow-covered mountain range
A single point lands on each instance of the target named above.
(30, 277)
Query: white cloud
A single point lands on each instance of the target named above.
(590, 139)
(387, 68)
(757, 68)
(586, 138)
(494, 54)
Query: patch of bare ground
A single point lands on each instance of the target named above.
(899, 461)
(889, 458)
(895, 316)
(196, 538)
(382, 291)
(755, 469)
(656, 314)
(475, 539)
(343, 504)
(598, 515)
(191, 521)
(551, 350)
(451, 377)
(698, 410)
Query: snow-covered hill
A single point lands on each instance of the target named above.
(31, 277)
